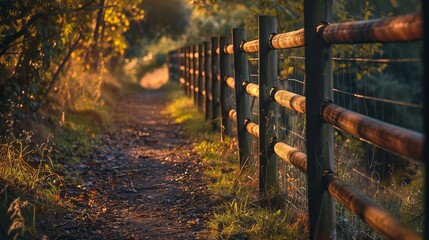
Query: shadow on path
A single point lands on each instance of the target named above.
(146, 184)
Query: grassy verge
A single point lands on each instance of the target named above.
(33, 169)
(29, 187)
(240, 215)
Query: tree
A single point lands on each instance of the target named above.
(39, 38)
(161, 19)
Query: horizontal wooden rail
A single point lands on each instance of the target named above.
(250, 47)
(230, 82)
(252, 128)
(395, 29)
(290, 100)
(229, 49)
(279, 41)
(291, 155)
(232, 115)
(288, 40)
(282, 97)
(393, 138)
(252, 89)
(374, 215)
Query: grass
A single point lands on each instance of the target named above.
(30, 181)
(240, 216)
(28, 186)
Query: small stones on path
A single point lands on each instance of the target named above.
(145, 182)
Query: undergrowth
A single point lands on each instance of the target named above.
(28, 185)
(241, 215)
(33, 167)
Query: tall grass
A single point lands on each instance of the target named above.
(27, 182)
(240, 215)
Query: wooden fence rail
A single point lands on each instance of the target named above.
(205, 74)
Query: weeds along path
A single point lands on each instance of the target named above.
(146, 184)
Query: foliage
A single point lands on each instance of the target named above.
(39, 40)
(27, 183)
(162, 19)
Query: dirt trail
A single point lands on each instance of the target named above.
(147, 184)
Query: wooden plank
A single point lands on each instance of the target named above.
(395, 29)
(393, 138)
(290, 100)
(251, 46)
(288, 40)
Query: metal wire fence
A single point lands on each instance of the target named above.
(337, 117)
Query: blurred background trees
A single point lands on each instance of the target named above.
(61, 51)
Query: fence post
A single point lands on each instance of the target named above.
(180, 62)
(169, 65)
(215, 83)
(268, 169)
(241, 75)
(184, 68)
(174, 61)
(318, 69)
(207, 81)
(187, 72)
(194, 74)
(201, 82)
(425, 56)
(224, 69)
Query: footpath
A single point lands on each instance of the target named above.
(146, 184)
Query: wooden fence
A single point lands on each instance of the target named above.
(208, 70)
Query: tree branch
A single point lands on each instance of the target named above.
(57, 73)
(4, 45)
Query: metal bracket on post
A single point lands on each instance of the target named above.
(268, 169)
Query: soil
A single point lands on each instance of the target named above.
(143, 182)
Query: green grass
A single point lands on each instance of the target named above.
(27, 186)
(241, 215)
(32, 173)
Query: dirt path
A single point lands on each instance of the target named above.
(147, 184)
